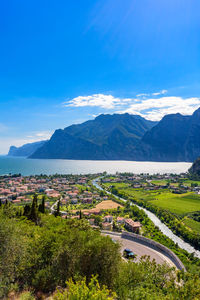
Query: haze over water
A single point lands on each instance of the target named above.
(26, 167)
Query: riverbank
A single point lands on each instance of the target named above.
(163, 228)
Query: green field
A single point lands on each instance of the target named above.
(194, 225)
(186, 182)
(159, 182)
(178, 203)
(119, 185)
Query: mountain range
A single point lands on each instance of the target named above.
(126, 137)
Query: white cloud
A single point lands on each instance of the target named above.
(98, 100)
(156, 108)
(159, 93)
(151, 107)
(44, 134)
(142, 95)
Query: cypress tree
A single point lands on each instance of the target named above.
(57, 213)
(35, 199)
(34, 212)
(27, 209)
(42, 205)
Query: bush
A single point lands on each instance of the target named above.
(81, 291)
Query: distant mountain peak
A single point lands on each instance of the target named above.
(25, 150)
(127, 137)
(107, 135)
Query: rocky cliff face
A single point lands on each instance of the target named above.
(127, 137)
(195, 168)
(25, 150)
(174, 138)
(106, 137)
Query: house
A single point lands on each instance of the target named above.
(87, 200)
(86, 214)
(16, 201)
(106, 226)
(108, 219)
(94, 211)
(75, 217)
(74, 201)
(91, 221)
(132, 226)
(120, 220)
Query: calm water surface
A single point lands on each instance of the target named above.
(25, 166)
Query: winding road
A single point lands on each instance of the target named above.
(140, 250)
(163, 228)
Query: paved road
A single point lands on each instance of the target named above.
(157, 222)
(141, 250)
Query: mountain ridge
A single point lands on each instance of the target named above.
(105, 137)
(174, 138)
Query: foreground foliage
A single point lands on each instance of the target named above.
(45, 256)
(80, 290)
(37, 258)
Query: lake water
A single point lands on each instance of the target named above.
(25, 166)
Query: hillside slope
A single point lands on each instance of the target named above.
(105, 137)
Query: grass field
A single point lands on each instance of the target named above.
(141, 194)
(119, 185)
(178, 203)
(159, 182)
(194, 225)
(186, 182)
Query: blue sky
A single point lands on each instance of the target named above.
(63, 62)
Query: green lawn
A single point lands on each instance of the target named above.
(194, 225)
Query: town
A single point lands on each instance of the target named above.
(76, 195)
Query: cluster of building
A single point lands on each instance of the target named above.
(107, 221)
(146, 182)
(18, 189)
(129, 224)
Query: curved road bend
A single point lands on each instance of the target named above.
(163, 228)
(137, 248)
(140, 250)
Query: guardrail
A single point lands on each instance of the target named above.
(111, 232)
(156, 246)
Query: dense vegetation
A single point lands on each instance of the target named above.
(167, 211)
(45, 255)
(37, 256)
(195, 169)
